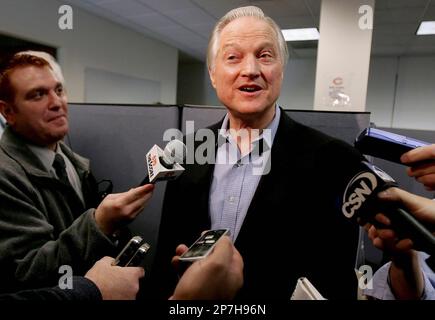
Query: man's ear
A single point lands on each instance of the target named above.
(212, 76)
(8, 112)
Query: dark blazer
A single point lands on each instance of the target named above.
(293, 227)
(83, 290)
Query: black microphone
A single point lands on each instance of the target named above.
(360, 201)
(164, 164)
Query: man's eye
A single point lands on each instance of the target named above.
(265, 55)
(59, 91)
(37, 95)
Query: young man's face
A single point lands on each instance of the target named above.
(39, 110)
(247, 71)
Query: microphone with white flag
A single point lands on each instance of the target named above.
(165, 164)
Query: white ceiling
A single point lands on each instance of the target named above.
(187, 24)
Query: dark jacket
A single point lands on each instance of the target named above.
(293, 227)
(83, 290)
(43, 223)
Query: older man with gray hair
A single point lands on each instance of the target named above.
(284, 222)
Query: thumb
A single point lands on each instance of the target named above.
(421, 207)
(223, 251)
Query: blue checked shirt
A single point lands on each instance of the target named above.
(236, 177)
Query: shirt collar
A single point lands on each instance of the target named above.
(2, 122)
(268, 138)
(45, 155)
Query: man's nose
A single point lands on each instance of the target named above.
(250, 67)
(55, 100)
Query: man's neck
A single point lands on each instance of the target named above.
(237, 122)
(245, 130)
(50, 146)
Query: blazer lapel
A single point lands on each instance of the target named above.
(202, 177)
(281, 162)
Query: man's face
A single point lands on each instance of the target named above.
(39, 110)
(247, 71)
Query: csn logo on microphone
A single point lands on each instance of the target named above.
(361, 186)
(157, 169)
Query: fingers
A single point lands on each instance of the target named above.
(387, 235)
(421, 170)
(378, 243)
(396, 194)
(382, 219)
(178, 252)
(428, 181)
(391, 194)
(424, 174)
(107, 260)
(134, 200)
(237, 257)
(137, 272)
(386, 240)
(182, 248)
(417, 205)
(419, 154)
(405, 245)
(175, 261)
(223, 249)
(139, 193)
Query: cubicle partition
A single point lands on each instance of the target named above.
(342, 125)
(116, 138)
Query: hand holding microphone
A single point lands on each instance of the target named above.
(360, 202)
(421, 208)
(165, 164)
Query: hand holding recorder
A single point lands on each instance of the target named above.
(421, 162)
(217, 275)
(418, 155)
(387, 145)
(115, 283)
(133, 253)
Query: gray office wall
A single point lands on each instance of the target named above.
(116, 139)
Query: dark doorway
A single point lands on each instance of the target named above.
(10, 45)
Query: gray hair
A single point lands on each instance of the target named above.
(249, 11)
(51, 61)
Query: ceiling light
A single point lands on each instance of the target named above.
(303, 34)
(426, 27)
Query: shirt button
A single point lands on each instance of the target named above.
(238, 164)
(231, 199)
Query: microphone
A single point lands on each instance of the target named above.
(164, 164)
(360, 201)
